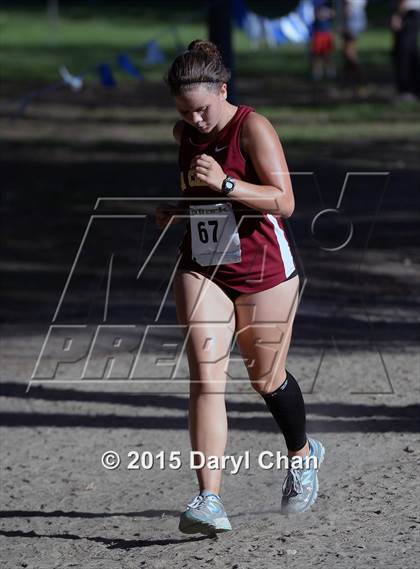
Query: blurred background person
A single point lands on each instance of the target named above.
(322, 41)
(353, 17)
(405, 25)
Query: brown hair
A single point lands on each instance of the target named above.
(200, 63)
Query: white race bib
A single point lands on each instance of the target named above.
(214, 235)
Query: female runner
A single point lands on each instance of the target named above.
(235, 275)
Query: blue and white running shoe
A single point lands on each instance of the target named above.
(300, 487)
(205, 514)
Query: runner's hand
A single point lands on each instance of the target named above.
(208, 171)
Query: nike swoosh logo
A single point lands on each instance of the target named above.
(221, 148)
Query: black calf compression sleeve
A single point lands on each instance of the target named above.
(288, 409)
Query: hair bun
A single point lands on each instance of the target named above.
(205, 46)
(201, 63)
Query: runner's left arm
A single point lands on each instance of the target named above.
(275, 194)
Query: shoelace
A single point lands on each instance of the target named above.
(198, 502)
(293, 482)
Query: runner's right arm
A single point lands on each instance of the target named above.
(177, 133)
(164, 212)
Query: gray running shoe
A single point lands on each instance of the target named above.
(300, 487)
(205, 514)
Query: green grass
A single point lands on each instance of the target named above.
(32, 48)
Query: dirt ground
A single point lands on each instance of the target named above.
(355, 352)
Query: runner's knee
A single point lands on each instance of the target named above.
(208, 380)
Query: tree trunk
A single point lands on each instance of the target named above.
(220, 33)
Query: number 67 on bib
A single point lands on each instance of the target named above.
(214, 235)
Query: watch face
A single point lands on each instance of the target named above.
(229, 185)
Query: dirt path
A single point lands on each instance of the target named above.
(354, 351)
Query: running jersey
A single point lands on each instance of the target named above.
(266, 257)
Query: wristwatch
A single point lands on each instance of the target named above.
(228, 185)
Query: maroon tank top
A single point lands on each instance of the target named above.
(266, 258)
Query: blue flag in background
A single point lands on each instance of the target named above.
(239, 13)
(128, 66)
(153, 53)
(278, 35)
(251, 23)
(105, 74)
(295, 27)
